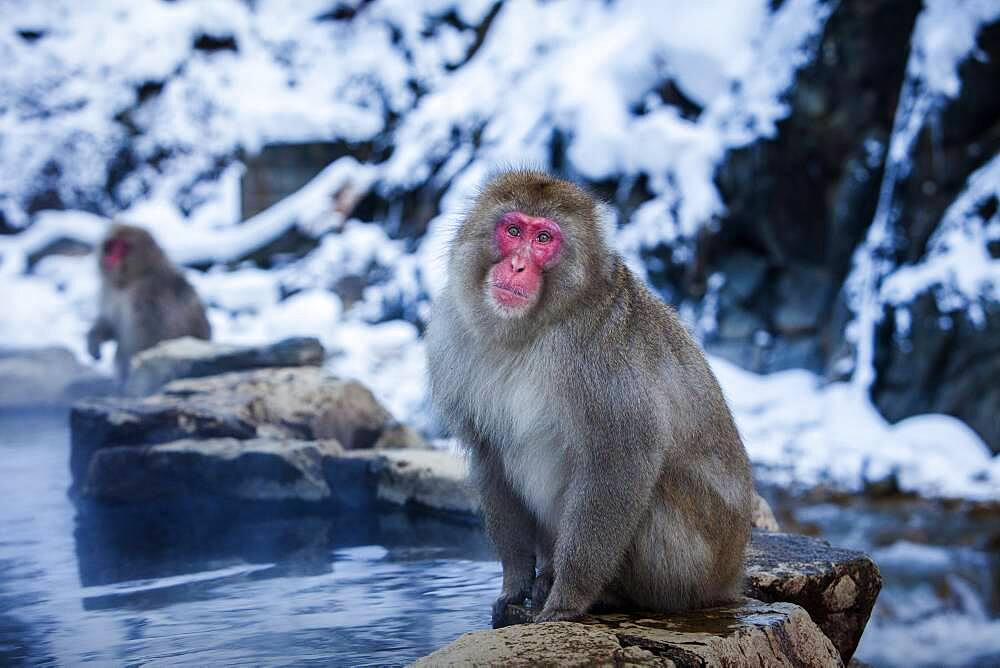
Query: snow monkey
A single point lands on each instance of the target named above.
(143, 300)
(608, 463)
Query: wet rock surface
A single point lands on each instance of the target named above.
(838, 587)
(278, 469)
(188, 357)
(303, 403)
(750, 633)
(228, 468)
(46, 378)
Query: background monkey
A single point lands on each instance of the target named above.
(143, 300)
(601, 443)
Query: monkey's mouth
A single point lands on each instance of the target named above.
(506, 287)
(510, 298)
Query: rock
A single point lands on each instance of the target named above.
(739, 324)
(944, 363)
(748, 633)
(794, 352)
(744, 274)
(838, 587)
(279, 170)
(188, 357)
(553, 644)
(803, 295)
(46, 378)
(762, 516)
(270, 470)
(280, 469)
(430, 478)
(780, 192)
(278, 403)
(355, 418)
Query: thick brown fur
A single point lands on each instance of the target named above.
(143, 301)
(608, 462)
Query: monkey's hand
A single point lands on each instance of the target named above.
(94, 342)
(540, 591)
(98, 334)
(499, 616)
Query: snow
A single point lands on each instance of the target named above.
(914, 557)
(588, 72)
(957, 263)
(943, 38)
(801, 432)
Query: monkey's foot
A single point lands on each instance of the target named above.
(559, 615)
(540, 590)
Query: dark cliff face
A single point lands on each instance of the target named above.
(947, 362)
(798, 206)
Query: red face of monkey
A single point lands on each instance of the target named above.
(528, 245)
(114, 252)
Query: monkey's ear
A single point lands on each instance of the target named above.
(607, 219)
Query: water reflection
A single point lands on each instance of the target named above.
(207, 586)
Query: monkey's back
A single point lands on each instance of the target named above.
(705, 488)
(163, 306)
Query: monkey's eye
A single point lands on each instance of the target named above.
(514, 231)
(543, 237)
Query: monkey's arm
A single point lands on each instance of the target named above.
(615, 475)
(100, 332)
(510, 527)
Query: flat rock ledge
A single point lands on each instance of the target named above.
(225, 468)
(749, 633)
(431, 479)
(279, 470)
(837, 587)
(297, 403)
(188, 357)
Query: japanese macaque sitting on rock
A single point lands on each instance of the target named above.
(608, 463)
(144, 299)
